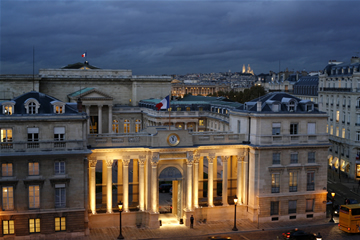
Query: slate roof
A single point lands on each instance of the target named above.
(45, 103)
(308, 81)
(79, 65)
(280, 98)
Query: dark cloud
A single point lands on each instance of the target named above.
(166, 37)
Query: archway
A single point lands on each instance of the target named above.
(170, 193)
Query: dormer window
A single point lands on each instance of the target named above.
(59, 107)
(276, 107)
(32, 106)
(8, 108)
(291, 106)
(309, 107)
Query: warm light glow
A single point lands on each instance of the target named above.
(120, 205)
(333, 194)
(235, 199)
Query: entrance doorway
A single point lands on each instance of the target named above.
(170, 195)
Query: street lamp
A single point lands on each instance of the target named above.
(332, 207)
(120, 205)
(318, 237)
(235, 201)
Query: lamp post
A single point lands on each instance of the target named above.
(318, 237)
(332, 206)
(235, 201)
(120, 205)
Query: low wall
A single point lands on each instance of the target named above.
(219, 213)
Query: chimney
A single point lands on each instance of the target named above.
(79, 105)
(258, 105)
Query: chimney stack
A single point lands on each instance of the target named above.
(258, 105)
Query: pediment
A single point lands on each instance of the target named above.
(90, 94)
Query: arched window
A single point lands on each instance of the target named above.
(126, 126)
(32, 106)
(137, 125)
(115, 126)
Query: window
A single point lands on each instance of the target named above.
(34, 196)
(357, 136)
(178, 109)
(201, 122)
(33, 134)
(311, 129)
(59, 167)
(59, 109)
(60, 196)
(327, 128)
(275, 183)
(276, 158)
(343, 133)
(34, 225)
(6, 135)
(291, 106)
(310, 205)
(8, 109)
(60, 224)
(311, 157)
(274, 208)
(331, 130)
(188, 109)
(32, 108)
(7, 169)
(137, 125)
(337, 131)
(276, 128)
(8, 227)
(293, 128)
(33, 168)
(126, 126)
(115, 126)
(293, 181)
(201, 109)
(310, 181)
(7, 198)
(59, 133)
(292, 206)
(358, 119)
(294, 158)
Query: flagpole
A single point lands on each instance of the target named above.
(169, 107)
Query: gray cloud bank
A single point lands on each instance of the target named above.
(177, 37)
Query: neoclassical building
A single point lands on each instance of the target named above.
(270, 152)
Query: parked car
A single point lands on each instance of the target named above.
(297, 234)
(164, 188)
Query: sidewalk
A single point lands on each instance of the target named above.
(210, 228)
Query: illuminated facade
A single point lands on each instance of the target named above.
(270, 152)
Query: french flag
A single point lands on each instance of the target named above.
(164, 104)
(84, 54)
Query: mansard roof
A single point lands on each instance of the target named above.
(308, 81)
(45, 101)
(283, 100)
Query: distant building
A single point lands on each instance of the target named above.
(339, 96)
(307, 88)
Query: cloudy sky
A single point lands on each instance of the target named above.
(178, 37)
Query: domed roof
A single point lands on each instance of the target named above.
(175, 81)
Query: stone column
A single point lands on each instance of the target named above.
(110, 118)
(196, 180)
(224, 160)
(120, 190)
(239, 178)
(135, 180)
(189, 171)
(88, 120)
(109, 163)
(215, 177)
(126, 162)
(142, 182)
(245, 178)
(100, 119)
(92, 183)
(154, 187)
(201, 176)
(210, 194)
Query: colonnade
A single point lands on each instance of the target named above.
(100, 113)
(147, 167)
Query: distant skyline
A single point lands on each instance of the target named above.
(177, 37)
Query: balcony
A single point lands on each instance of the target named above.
(275, 189)
(292, 188)
(310, 187)
(327, 89)
(41, 146)
(290, 139)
